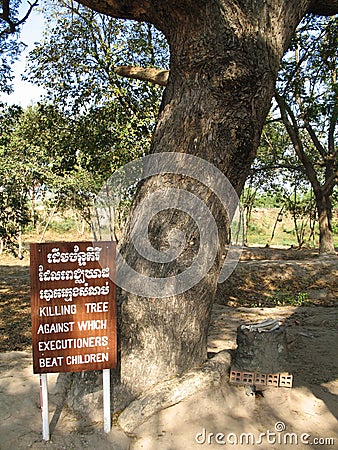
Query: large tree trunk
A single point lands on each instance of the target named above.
(224, 61)
(214, 108)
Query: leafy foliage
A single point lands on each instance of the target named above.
(78, 73)
(14, 212)
(308, 78)
(92, 121)
(10, 49)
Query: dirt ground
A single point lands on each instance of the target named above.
(224, 416)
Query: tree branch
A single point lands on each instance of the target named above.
(13, 25)
(332, 127)
(293, 131)
(324, 7)
(155, 76)
(278, 119)
(330, 182)
(315, 140)
(141, 10)
(5, 10)
(290, 167)
(5, 16)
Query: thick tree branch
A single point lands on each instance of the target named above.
(122, 9)
(324, 7)
(332, 127)
(146, 10)
(5, 10)
(155, 76)
(278, 119)
(161, 13)
(330, 182)
(293, 131)
(315, 140)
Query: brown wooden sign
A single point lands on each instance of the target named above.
(73, 301)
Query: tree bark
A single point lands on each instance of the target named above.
(324, 208)
(224, 61)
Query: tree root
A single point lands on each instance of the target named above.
(173, 391)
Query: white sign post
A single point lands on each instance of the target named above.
(44, 406)
(106, 401)
(45, 411)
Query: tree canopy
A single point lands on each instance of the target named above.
(79, 73)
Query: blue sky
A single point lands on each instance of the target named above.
(25, 93)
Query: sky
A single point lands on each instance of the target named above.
(25, 93)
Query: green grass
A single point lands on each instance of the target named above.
(261, 227)
(283, 298)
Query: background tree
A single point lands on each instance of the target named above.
(277, 179)
(60, 162)
(308, 103)
(95, 121)
(41, 147)
(302, 149)
(269, 171)
(14, 212)
(115, 117)
(36, 155)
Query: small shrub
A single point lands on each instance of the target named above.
(283, 298)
